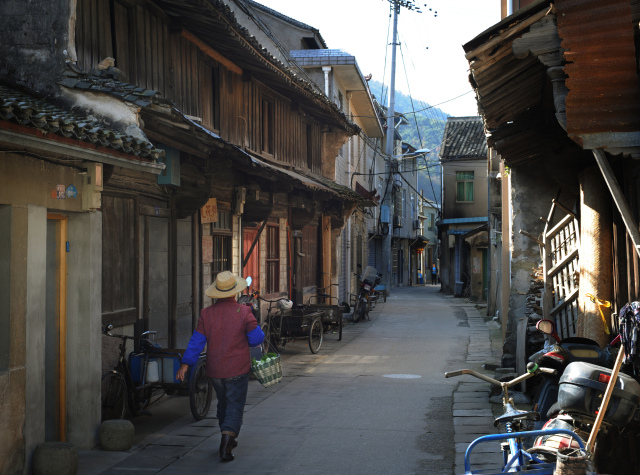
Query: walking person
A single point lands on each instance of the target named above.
(434, 274)
(228, 329)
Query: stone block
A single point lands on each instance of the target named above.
(55, 458)
(116, 435)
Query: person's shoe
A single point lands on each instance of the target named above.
(226, 446)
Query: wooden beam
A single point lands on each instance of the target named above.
(618, 198)
(213, 54)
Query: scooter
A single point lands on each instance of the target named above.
(580, 390)
(558, 356)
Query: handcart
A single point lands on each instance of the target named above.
(286, 322)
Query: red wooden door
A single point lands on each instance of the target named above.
(253, 264)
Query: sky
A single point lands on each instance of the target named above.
(430, 46)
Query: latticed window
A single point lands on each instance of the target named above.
(464, 186)
(273, 259)
(221, 236)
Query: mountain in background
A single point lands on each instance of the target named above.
(425, 130)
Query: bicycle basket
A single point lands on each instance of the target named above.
(268, 370)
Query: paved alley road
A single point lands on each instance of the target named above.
(376, 403)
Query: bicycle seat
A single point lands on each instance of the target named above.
(512, 414)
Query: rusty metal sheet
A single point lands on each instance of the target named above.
(597, 36)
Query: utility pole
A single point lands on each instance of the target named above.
(390, 162)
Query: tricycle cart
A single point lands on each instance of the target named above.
(286, 322)
(146, 375)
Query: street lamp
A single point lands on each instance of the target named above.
(412, 154)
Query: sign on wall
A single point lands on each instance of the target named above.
(209, 212)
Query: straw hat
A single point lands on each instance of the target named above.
(226, 285)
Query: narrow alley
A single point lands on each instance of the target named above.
(375, 402)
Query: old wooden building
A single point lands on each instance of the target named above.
(218, 156)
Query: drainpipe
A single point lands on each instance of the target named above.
(326, 70)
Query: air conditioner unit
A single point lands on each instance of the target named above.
(416, 224)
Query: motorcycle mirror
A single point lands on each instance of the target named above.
(249, 280)
(549, 328)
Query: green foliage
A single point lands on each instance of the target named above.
(425, 130)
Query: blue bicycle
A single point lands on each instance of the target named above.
(517, 425)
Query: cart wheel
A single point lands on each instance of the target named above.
(340, 327)
(316, 333)
(200, 391)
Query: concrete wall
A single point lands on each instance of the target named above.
(25, 199)
(13, 372)
(84, 321)
(35, 280)
(452, 209)
(531, 196)
(34, 36)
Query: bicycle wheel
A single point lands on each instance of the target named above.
(315, 335)
(114, 394)
(200, 391)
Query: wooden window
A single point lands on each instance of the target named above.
(273, 259)
(464, 186)
(119, 260)
(221, 236)
(267, 126)
(309, 147)
(309, 262)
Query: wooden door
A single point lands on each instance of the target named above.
(252, 267)
(55, 329)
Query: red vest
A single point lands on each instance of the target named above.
(226, 324)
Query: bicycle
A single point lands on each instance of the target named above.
(132, 385)
(517, 424)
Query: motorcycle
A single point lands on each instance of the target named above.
(366, 293)
(558, 356)
(580, 390)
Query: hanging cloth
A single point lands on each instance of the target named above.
(629, 319)
(601, 303)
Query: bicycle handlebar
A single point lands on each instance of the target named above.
(532, 370)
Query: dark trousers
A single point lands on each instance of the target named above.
(232, 396)
(434, 279)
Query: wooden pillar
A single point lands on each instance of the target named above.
(326, 252)
(505, 246)
(596, 261)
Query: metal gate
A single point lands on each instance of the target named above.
(561, 270)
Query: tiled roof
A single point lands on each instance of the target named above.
(107, 81)
(319, 57)
(29, 111)
(463, 138)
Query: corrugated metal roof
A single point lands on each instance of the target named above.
(598, 39)
(29, 111)
(463, 137)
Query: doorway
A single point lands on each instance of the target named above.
(55, 328)
(252, 267)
